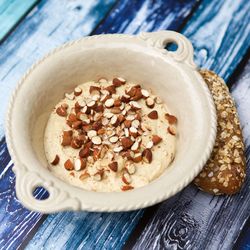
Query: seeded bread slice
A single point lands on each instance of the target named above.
(225, 171)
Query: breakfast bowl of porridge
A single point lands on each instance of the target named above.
(110, 123)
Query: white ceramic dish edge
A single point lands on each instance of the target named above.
(60, 199)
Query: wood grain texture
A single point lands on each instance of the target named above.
(11, 12)
(115, 227)
(193, 219)
(43, 29)
(241, 94)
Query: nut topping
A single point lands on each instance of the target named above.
(109, 103)
(171, 118)
(117, 82)
(150, 102)
(96, 140)
(172, 130)
(147, 155)
(111, 131)
(126, 142)
(153, 115)
(79, 164)
(61, 111)
(69, 165)
(156, 139)
(77, 91)
(56, 160)
(113, 166)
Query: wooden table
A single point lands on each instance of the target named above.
(220, 33)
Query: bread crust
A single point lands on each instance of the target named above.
(225, 171)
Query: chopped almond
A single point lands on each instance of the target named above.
(56, 160)
(69, 165)
(171, 118)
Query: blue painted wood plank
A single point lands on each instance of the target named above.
(43, 29)
(115, 227)
(193, 219)
(241, 94)
(11, 12)
(191, 226)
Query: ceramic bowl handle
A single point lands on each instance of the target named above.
(27, 182)
(160, 39)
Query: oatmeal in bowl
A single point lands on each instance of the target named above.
(110, 136)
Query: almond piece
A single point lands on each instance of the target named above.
(75, 143)
(138, 95)
(109, 103)
(66, 138)
(79, 164)
(127, 188)
(70, 96)
(115, 110)
(91, 133)
(127, 123)
(77, 91)
(101, 131)
(150, 144)
(99, 108)
(105, 121)
(126, 142)
(117, 82)
(114, 121)
(147, 155)
(172, 130)
(95, 97)
(96, 140)
(153, 115)
(91, 104)
(117, 103)
(56, 160)
(84, 176)
(144, 93)
(130, 168)
(135, 123)
(111, 89)
(113, 139)
(94, 90)
(118, 149)
(133, 131)
(98, 176)
(113, 166)
(69, 165)
(82, 116)
(86, 110)
(121, 118)
(126, 178)
(171, 118)
(72, 118)
(150, 102)
(76, 125)
(130, 117)
(96, 153)
(137, 157)
(61, 111)
(104, 98)
(135, 105)
(156, 139)
(97, 125)
(135, 146)
(84, 152)
(126, 132)
(132, 91)
(125, 98)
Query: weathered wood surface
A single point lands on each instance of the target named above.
(117, 226)
(193, 219)
(43, 29)
(11, 12)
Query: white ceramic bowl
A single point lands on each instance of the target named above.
(142, 59)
